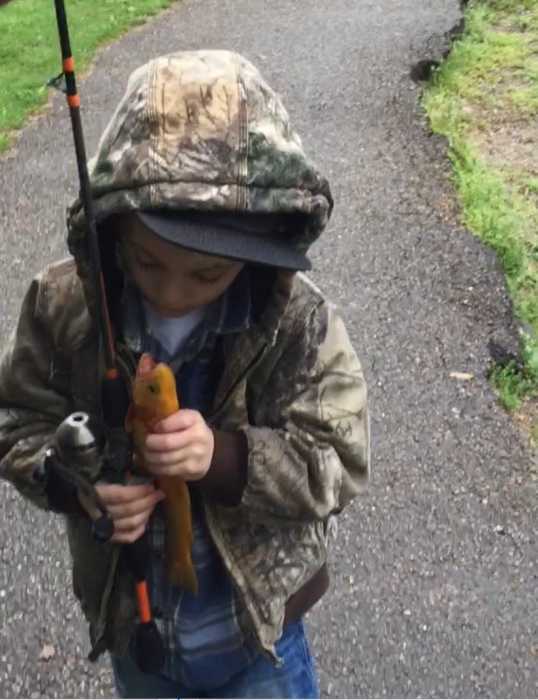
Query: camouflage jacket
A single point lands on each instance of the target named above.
(203, 130)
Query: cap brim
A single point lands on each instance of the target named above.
(245, 238)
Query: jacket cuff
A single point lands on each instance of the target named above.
(227, 475)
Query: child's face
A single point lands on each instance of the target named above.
(172, 279)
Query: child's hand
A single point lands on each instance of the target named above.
(182, 445)
(129, 506)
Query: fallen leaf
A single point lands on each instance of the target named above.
(48, 652)
(463, 376)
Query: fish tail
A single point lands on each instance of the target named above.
(179, 535)
(183, 574)
(180, 569)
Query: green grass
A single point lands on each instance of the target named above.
(532, 185)
(512, 386)
(490, 67)
(490, 82)
(30, 54)
(515, 383)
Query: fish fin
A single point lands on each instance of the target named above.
(146, 364)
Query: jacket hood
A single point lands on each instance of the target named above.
(201, 130)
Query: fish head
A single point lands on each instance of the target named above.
(154, 388)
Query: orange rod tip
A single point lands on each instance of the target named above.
(112, 373)
(69, 65)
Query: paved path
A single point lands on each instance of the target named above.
(435, 570)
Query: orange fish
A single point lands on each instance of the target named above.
(155, 398)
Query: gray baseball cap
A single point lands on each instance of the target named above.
(265, 239)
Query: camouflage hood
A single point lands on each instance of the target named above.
(201, 130)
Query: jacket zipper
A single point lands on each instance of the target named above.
(214, 529)
(251, 366)
(243, 595)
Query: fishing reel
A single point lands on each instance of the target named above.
(71, 466)
(80, 454)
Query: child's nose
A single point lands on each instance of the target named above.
(171, 291)
(172, 297)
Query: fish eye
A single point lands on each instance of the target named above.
(153, 388)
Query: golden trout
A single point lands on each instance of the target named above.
(154, 398)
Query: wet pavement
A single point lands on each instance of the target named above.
(434, 570)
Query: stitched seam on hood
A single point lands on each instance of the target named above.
(242, 164)
(151, 116)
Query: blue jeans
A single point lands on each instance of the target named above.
(296, 678)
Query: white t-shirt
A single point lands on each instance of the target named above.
(172, 333)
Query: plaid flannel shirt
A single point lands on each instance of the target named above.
(204, 643)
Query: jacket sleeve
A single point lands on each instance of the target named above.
(310, 453)
(32, 400)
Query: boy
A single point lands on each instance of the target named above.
(206, 205)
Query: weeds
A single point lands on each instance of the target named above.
(512, 385)
(489, 85)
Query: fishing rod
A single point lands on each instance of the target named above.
(114, 396)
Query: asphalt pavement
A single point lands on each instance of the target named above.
(434, 570)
